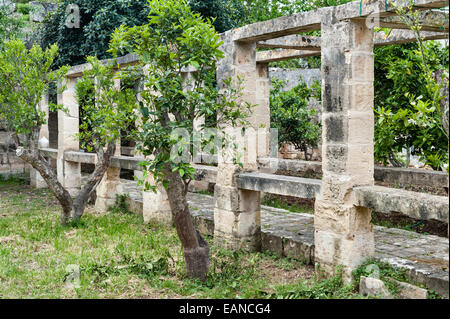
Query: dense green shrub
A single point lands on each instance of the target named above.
(405, 116)
(290, 114)
(98, 20)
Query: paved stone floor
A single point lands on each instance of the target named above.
(425, 256)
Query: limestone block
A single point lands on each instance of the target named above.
(408, 291)
(271, 242)
(373, 287)
(156, 206)
(226, 198)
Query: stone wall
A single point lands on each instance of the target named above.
(10, 164)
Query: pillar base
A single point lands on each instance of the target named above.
(107, 190)
(156, 207)
(346, 238)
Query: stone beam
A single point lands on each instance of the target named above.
(280, 185)
(415, 205)
(436, 21)
(296, 49)
(280, 55)
(308, 21)
(406, 176)
(296, 42)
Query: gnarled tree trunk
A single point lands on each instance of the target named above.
(196, 249)
(73, 208)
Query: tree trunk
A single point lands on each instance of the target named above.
(196, 249)
(103, 163)
(72, 208)
(39, 163)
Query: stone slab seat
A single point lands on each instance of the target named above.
(413, 204)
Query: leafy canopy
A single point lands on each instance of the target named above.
(106, 106)
(98, 19)
(290, 114)
(25, 76)
(174, 41)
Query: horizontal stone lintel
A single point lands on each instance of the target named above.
(280, 185)
(123, 61)
(420, 177)
(311, 20)
(294, 50)
(416, 205)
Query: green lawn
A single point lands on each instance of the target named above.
(120, 257)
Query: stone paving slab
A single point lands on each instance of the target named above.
(426, 257)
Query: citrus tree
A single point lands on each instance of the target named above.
(25, 76)
(174, 40)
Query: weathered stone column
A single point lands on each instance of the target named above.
(36, 179)
(237, 213)
(69, 173)
(343, 232)
(109, 186)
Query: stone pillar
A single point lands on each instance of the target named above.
(69, 173)
(343, 232)
(237, 213)
(262, 113)
(109, 186)
(36, 179)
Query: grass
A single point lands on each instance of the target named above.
(117, 256)
(276, 202)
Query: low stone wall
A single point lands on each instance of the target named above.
(10, 164)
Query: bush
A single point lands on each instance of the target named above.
(405, 116)
(291, 116)
(98, 20)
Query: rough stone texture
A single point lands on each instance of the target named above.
(309, 76)
(237, 212)
(40, 10)
(380, 39)
(413, 204)
(373, 287)
(69, 173)
(297, 42)
(280, 185)
(425, 257)
(10, 164)
(407, 176)
(408, 291)
(343, 232)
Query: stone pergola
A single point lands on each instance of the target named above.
(343, 231)
(346, 194)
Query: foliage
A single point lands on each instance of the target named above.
(117, 250)
(176, 38)
(291, 116)
(227, 14)
(98, 19)
(106, 106)
(386, 273)
(408, 114)
(25, 75)
(10, 26)
(328, 288)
